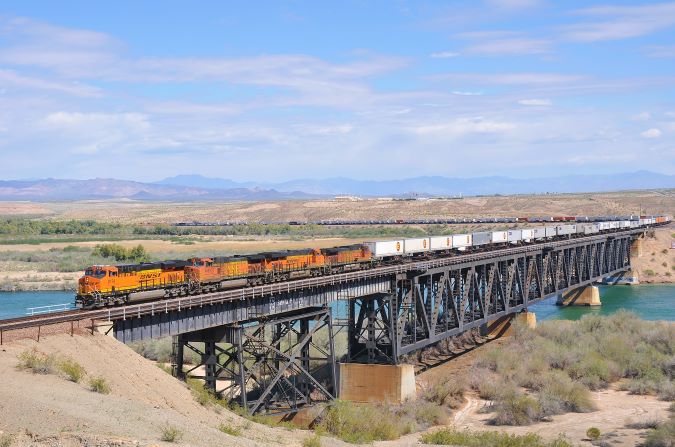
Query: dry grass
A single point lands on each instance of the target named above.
(99, 385)
(450, 436)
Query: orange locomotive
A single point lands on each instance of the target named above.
(125, 283)
(110, 285)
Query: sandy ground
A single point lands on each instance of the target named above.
(594, 204)
(615, 410)
(142, 400)
(657, 263)
(44, 410)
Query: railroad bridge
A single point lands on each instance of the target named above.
(272, 347)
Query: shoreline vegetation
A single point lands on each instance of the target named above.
(50, 255)
(527, 379)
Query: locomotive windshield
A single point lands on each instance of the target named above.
(95, 273)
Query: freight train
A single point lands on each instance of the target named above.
(108, 285)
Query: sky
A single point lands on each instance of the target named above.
(271, 90)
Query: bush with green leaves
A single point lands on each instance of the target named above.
(557, 369)
(593, 433)
(171, 433)
(450, 436)
(99, 385)
(362, 423)
(312, 441)
(231, 430)
(662, 436)
(71, 370)
(37, 362)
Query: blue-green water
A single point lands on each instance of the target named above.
(14, 304)
(650, 302)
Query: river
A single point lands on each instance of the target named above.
(651, 302)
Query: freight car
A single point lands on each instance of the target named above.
(112, 285)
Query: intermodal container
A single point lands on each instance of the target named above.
(462, 241)
(415, 245)
(383, 249)
(550, 232)
(481, 238)
(564, 230)
(528, 234)
(497, 237)
(515, 236)
(440, 243)
(539, 233)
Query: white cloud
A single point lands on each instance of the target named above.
(510, 46)
(651, 133)
(463, 126)
(10, 78)
(620, 22)
(510, 78)
(443, 55)
(513, 4)
(535, 102)
(463, 93)
(642, 116)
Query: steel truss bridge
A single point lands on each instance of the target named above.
(271, 348)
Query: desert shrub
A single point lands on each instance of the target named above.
(650, 272)
(666, 390)
(593, 433)
(229, 429)
(662, 436)
(99, 385)
(5, 440)
(559, 394)
(361, 423)
(202, 395)
(312, 441)
(516, 409)
(36, 361)
(72, 370)
(446, 391)
(170, 433)
(642, 425)
(449, 436)
(423, 413)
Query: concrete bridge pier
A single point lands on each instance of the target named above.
(392, 384)
(503, 326)
(583, 296)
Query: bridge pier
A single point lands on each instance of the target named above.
(392, 384)
(277, 365)
(583, 296)
(503, 326)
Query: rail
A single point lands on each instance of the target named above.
(251, 293)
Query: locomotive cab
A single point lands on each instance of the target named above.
(96, 280)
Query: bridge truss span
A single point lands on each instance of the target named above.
(430, 305)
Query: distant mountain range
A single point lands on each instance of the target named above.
(198, 188)
(445, 186)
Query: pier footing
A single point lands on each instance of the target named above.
(377, 383)
(583, 296)
(503, 326)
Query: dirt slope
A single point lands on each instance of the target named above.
(143, 398)
(656, 252)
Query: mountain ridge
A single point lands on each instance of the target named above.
(195, 187)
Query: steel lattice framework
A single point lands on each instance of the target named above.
(434, 304)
